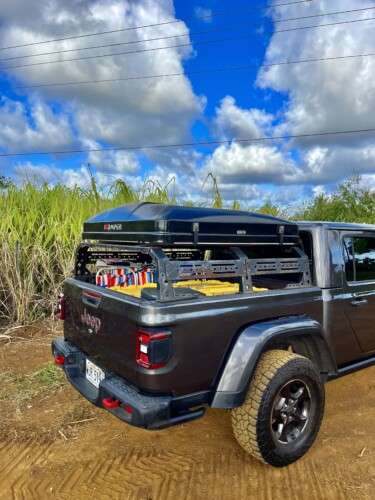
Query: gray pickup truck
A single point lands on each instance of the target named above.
(170, 313)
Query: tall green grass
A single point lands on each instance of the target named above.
(40, 227)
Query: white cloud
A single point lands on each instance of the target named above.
(35, 128)
(46, 173)
(328, 164)
(135, 112)
(185, 187)
(71, 177)
(112, 162)
(319, 190)
(203, 14)
(324, 96)
(368, 182)
(42, 173)
(240, 164)
(233, 122)
(199, 188)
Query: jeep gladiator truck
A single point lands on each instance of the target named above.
(172, 310)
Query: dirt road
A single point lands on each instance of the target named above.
(58, 446)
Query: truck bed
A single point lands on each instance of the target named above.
(104, 325)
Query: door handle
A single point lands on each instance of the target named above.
(359, 302)
(91, 298)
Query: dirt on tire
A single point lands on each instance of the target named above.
(59, 446)
(250, 421)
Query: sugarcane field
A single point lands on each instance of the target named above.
(187, 251)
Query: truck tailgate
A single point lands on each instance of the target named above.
(103, 326)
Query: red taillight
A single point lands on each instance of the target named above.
(128, 409)
(110, 404)
(59, 360)
(61, 307)
(153, 349)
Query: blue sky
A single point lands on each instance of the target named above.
(222, 106)
(250, 22)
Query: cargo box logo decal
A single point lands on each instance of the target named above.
(112, 227)
(91, 321)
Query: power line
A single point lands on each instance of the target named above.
(116, 44)
(323, 14)
(192, 144)
(130, 42)
(297, 28)
(186, 33)
(284, 30)
(132, 28)
(289, 3)
(152, 49)
(196, 72)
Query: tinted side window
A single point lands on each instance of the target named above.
(349, 259)
(359, 254)
(364, 254)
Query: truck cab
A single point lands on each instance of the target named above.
(342, 257)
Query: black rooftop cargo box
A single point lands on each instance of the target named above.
(166, 225)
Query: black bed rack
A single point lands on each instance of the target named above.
(170, 271)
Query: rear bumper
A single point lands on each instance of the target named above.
(140, 410)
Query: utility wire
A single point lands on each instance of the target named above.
(132, 28)
(192, 144)
(190, 44)
(323, 14)
(196, 72)
(336, 23)
(186, 33)
(140, 51)
(116, 44)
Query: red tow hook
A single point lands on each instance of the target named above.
(110, 403)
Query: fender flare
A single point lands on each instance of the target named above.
(239, 367)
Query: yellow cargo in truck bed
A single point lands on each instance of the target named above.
(210, 288)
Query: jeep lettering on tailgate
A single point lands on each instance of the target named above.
(91, 321)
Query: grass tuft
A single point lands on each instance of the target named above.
(21, 389)
(48, 376)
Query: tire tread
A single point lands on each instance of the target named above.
(245, 417)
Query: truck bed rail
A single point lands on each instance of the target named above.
(171, 270)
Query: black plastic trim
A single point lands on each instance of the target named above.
(353, 367)
(148, 411)
(251, 343)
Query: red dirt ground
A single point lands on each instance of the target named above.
(44, 455)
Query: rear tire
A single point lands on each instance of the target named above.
(282, 413)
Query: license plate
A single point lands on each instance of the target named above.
(94, 374)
